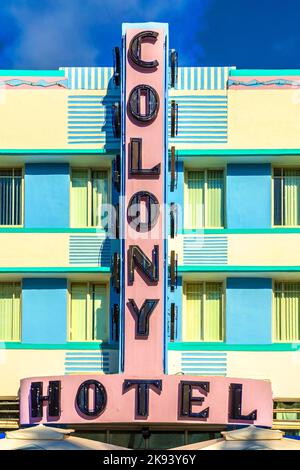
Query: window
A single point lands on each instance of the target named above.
(10, 311)
(11, 196)
(286, 410)
(286, 318)
(142, 438)
(204, 198)
(9, 413)
(88, 313)
(89, 191)
(286, 194)
(203, 312)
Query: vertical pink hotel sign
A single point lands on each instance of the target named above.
(145, 156)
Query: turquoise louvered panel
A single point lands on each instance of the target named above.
(89, 362)
(189, 78)
(205, 250)
(89, 249)
(90, 78)
(204, 363)
(90, 120)
(201, 119)
(203, 78)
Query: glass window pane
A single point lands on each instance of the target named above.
(132, 440)
(10, 196)
(99, 198)
(78, 317)
(287, 416)
(165, 439)
(286, 317)
(17, 197)
(192, 319)
(277, 200)
(6, 172)
(287, 405)
(10, 312)
(203, 313)
(79, 198)
(213, 318)
(94, 436)
(6, 185)
(89, 313)
(198, 436)
(291, 184)
(286, 186)
(195, 199)
(99, 307)
(215, 199)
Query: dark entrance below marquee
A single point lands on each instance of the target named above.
(150, 438)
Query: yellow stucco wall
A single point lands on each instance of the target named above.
(45, 250)
(257, 119)
(33, 119)
(262, 249)
(278, 367)
(264, 118)
(16, 364)
(37, 119)
(34, 249)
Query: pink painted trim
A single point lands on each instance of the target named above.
(263, 83)
(46, 83)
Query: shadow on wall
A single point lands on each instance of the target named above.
(112, 97)
(104, 254)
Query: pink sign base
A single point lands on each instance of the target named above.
(163, 407)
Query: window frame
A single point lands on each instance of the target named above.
(13, 168)
(19, 282)
(69, 309)
(280, 167)
(223, 304)
(89, 195)
(286, 422)
(274, 281)
(185, 196)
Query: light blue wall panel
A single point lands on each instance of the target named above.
(113, 246)
(176, 196)
(44, 311)
(47, 195)
(249, 311)
(248, 195)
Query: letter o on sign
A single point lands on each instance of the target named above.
(83, 395)
(151, 103)
(134, 211)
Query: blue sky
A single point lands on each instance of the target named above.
(52, 33)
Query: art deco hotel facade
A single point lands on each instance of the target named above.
(211, 158)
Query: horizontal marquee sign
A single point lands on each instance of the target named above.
(165, 399)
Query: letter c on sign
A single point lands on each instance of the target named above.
(134, 50)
